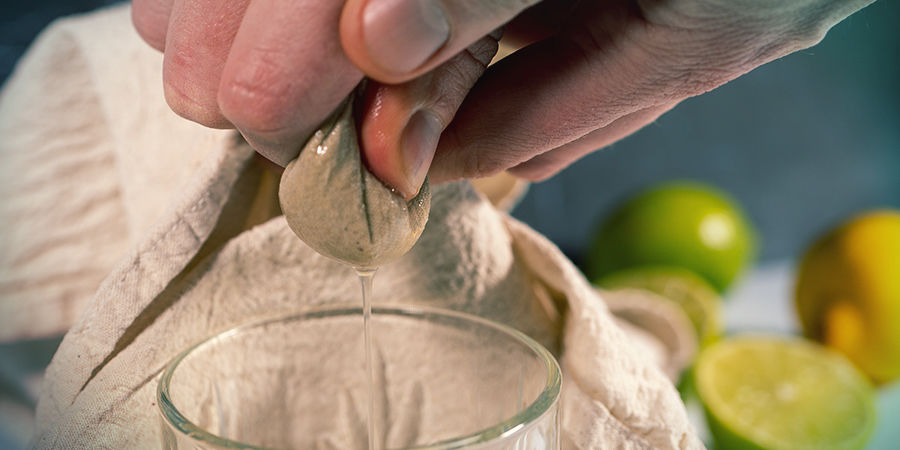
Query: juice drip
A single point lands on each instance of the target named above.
(366, 277)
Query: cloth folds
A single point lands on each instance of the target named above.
(97, 169)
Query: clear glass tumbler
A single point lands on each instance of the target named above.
(443, 380)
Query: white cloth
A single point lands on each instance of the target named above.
(96, 169)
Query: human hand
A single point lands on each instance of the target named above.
(589, 74)
(275, 70)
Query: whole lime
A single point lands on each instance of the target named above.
(683, 224)
(848, 292)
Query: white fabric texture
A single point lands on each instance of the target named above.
(97, 169)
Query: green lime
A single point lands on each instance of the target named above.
(683, 224)
(699, 301)
(783, 393)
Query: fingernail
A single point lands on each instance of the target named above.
(419, 141)
(400, 35)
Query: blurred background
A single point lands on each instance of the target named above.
(802, 144)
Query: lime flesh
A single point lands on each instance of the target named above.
(783, 393)
(700, 302)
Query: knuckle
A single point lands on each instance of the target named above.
(455, 161)
(470, 167)
(478, 163)
(482, 151)
(473, 156)
(193, 110)
(190, 96)
(257, 96)
(252, 107)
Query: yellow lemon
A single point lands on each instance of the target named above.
(848, 292)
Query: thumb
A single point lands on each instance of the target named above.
(393, 41)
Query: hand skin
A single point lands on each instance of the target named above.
(585, 75)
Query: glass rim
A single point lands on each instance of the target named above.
(521, 421)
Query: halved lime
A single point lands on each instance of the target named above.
(783, 393)
(700, 302)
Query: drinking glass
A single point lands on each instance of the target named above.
(442, 380)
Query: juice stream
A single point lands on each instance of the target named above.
(366, 277)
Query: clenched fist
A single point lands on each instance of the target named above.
(585, 73)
